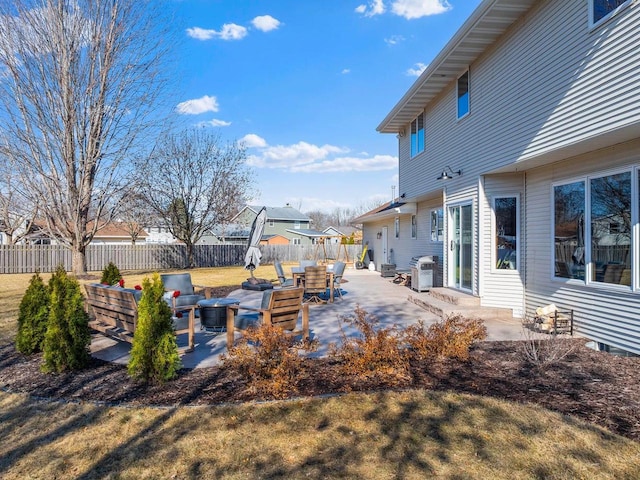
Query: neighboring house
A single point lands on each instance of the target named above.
(284, 221)
(159, 234)
(116, 233)
(336, 234)
(515, 143)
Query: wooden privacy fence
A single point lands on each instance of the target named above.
(46, 258)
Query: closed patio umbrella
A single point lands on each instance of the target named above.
(253, 255)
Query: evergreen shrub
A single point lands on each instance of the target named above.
(110, 275)
(32, 317)
(154, 353)
(67, 339)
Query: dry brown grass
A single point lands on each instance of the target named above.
(413, 434)
(385, 435)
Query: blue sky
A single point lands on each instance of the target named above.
(304, 83)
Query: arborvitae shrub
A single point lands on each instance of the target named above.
(111, 274)
(154, 353)
(67, 339)
(32, 317)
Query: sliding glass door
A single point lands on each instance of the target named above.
(461, 247)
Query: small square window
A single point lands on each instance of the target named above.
(463, 95)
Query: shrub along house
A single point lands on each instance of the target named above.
(520, 163)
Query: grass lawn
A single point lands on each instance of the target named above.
(413, 434)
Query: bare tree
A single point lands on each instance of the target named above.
(17, 213)
(134, 214)
(79, 82)
(195, 184)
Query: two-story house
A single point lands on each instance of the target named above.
(282, 222)
(517, 144)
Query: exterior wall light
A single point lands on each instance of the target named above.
(448, 173)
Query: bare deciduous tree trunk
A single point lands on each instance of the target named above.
(80, 81)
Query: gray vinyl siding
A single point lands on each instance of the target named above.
(609, 314)
(549, 82)
(501, 288)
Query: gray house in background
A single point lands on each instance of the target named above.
(282, 221)
(520, 164)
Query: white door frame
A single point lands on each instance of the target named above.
(459, 256)
(385, 248)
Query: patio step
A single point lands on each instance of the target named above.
(446, 304)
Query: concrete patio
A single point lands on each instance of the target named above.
(389, 302)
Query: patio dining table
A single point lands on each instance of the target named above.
(298, 276)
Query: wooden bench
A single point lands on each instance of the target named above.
(115, 312)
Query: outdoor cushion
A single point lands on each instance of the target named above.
(178, 281)
(246, 320)
(259, 287)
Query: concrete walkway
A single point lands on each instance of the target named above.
(378, 296)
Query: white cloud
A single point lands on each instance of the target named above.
(416, 70)
(198, 105)
(266, 23)
(346, 71)
(411, 9)
(349, 164)
(303, 157)
(251, 140)
(374, 7)
(229, 31)
(213, 123)
(394, 39)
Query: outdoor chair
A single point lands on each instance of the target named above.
(338, 272)
(284, 282)
(315, 283)
(280, 308)
(181, 282)
(307, 263)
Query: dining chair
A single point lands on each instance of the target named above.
(338, 272)
(315, 283)
(284, 282)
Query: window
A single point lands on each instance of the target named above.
(506, 232)
(414, 227)
(611, 250)
(601, 253)
(463, 95)
(295, 241)
(397, 227)
(600, 10)
(296, 225)
(437, 222)
(417, 135)
(272, 223)
(569, 201)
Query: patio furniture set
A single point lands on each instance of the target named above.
(115, 309)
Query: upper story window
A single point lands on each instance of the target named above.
(463, 94)
(600, 10)
(296, 225)
(417, 135)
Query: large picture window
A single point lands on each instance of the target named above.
(417, 135)
(463, 94)
(506, 232)
(603, 9)
(592, 227)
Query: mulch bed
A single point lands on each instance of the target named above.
(597, 387)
